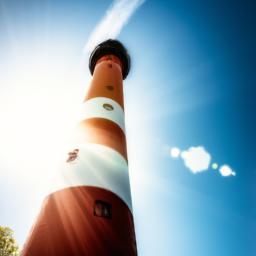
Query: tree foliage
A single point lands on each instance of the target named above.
(8, 245)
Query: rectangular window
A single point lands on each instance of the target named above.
(102, 209)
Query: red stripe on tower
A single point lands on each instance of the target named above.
(89, 210)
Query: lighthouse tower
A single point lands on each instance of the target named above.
(89, 211)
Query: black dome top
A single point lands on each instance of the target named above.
(114, 47)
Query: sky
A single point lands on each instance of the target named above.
(190, 114)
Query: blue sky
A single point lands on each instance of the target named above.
(192, 84)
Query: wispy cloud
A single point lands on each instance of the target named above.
(112, 23)
(197, 159)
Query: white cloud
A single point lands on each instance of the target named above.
(112, 23)
(225, 171)
(197, 159)
(175, 152)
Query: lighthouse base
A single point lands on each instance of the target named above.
(82, 220)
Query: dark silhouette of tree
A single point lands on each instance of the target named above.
(8, 245)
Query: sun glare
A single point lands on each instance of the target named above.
(40, 107)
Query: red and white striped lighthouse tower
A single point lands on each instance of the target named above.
(89, 211)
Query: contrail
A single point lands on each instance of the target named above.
(112, 23)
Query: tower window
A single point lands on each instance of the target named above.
(110, 87)
(102, 209)
(72, 155)
(108, 107)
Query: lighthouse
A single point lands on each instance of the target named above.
(89, 210)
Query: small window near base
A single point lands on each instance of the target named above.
(102, 209)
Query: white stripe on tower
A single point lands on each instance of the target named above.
(99, 166)
(102, 107)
